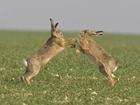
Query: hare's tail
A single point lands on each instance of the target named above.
(116, 66)
(114, 71)
(25, 63)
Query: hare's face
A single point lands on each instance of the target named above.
(87, 32)
(57, 33)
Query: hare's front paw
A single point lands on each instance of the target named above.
(72, 40)
(77, 51)
(72, 45)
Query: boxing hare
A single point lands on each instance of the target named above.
(96, 53)
(53, 46)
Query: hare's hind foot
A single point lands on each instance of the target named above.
(22, 78)
(111, 81)
(25, 79)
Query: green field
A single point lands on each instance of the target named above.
(80, 84)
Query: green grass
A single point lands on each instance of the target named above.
(80, 82)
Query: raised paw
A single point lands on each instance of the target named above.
(72, 45)
(77, 51)
(72, 40)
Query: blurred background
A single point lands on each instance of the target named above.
(119, 16)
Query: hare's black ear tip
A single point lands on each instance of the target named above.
(100, 32)
(50, 19)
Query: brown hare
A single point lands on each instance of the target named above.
(96, 53)
(53, 46)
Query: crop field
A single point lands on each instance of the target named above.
(68, 79)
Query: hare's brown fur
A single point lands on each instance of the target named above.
(53, 46)
(96, 53)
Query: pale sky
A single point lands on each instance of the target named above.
(72, 15)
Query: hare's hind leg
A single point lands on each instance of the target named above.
(27, 76)
(111, 80)
(107, 72)
(102, 70)
(30, 73)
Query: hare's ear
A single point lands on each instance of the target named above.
(52, 24)
(56, 25)
(97, 33)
